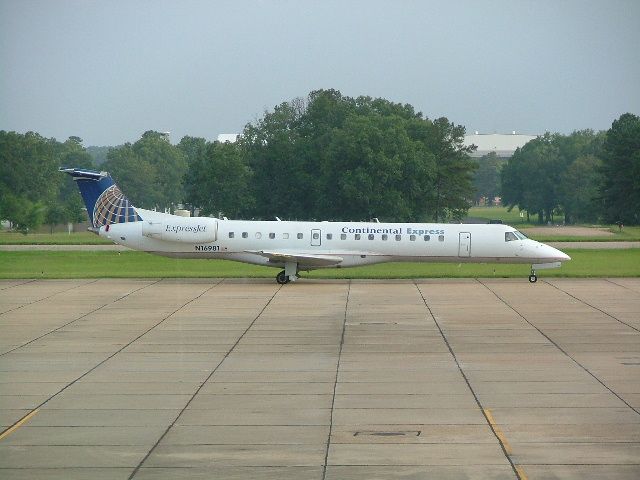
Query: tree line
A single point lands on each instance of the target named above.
(586, 176)
(333, 157)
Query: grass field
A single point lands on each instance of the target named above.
(41, 264)
(76, 238)
(499, 213)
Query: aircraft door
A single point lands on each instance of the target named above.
(316, 237)
(464, 249)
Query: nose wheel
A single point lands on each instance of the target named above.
(533, 278)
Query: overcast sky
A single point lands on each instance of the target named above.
(109, 70)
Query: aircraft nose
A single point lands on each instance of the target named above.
(556, 254)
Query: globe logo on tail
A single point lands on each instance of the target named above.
(113, 207)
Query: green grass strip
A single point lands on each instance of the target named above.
(75, 264)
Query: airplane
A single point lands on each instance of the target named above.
(301, 246)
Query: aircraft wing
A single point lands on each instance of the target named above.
(300, 258)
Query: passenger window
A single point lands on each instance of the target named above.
(272, 236)
(398, 238)
(231, 234)
(300, 236)
(371, 236)
(329, 236)
(285, 236)
(245, 234)
(412, 238)
(510, 237)
(441, 238)
(343, 236)
(316, 236)
(385, 237)
(357, 236)
(427, 238)
(258, 235)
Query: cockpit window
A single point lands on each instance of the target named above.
(520, 235)
(510, 236)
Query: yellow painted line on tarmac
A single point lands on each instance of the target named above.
(17, 425)
(498, 432)
(521, 474)
(503, 440)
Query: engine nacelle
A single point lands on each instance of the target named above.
(173, 228)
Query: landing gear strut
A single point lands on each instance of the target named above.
(289, 274)
(533, 278)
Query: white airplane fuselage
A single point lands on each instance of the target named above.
(297, 246)
(313, 245)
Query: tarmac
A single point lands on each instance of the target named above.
(235, 379)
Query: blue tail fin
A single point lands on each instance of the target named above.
(105, 203)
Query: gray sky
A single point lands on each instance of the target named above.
(109, 70)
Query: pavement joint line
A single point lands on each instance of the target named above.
(559, 347)
(164, 434)
(619, 285)
(123, 347)
(19, 423)
(19, 284)
(50, 296)
(335, 383)
(79, 318)
(488, 419)
(592, 306)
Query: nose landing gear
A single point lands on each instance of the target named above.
(533, 278)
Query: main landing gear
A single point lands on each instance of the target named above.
(282, 279)
(289, 274)
(533, 278)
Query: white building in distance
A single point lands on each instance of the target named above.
(228, 137)
(504, 145)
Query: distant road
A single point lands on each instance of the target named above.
(61, 248)
(111, 248)
(594, 245)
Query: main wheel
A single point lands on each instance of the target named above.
(281, 278)
(533, 278)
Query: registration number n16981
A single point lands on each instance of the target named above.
(207, 248)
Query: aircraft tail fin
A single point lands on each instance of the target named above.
(105, 203)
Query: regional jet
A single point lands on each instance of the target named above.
(302, 246)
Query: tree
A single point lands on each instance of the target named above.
(69, 206)
(99, 154)
(150, 171)
(486, 180)
(218, 180)
(578, 190)
(334, 157)
(192, 148)
(453, 187)
(374, 169)
(28, 167)
(280, 159)
(620, 189)
(530, 178)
